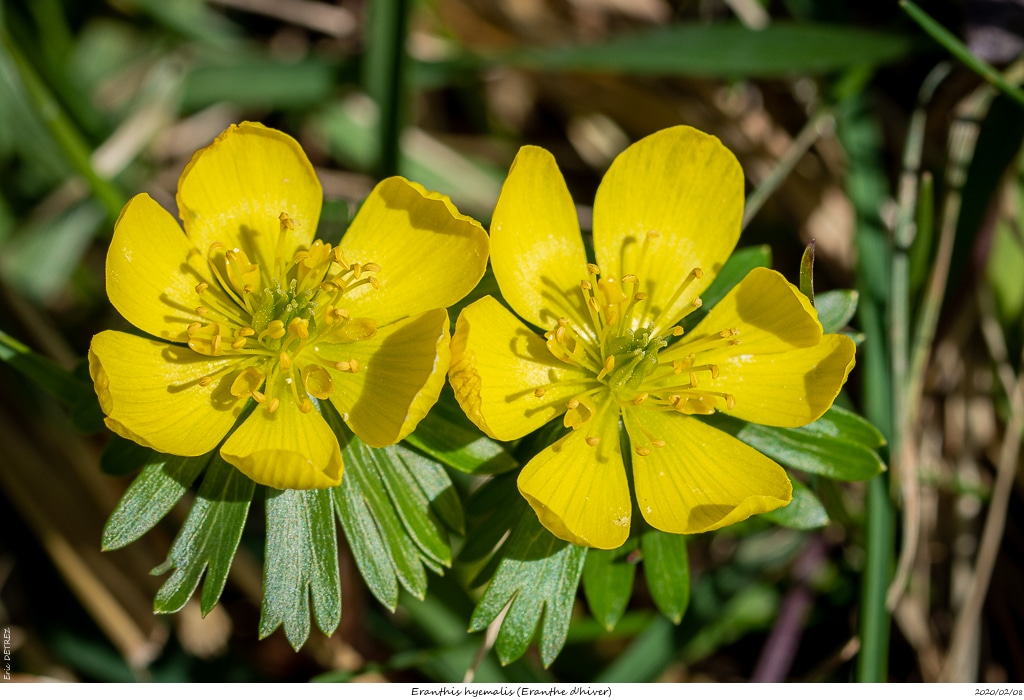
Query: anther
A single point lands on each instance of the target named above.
(202, 311)
(593, 440)
(693, 379)
(730, 401)
(640, 296)
(371, 267)
(539, 392)
(609, 365)
(677, 331)
(698, 272)
(593, 269)
(697, 302)
(306, 406)
(193, 328)
(374, 282)
(245, 332)
(201, 287)
(206, 381)
(275, 329)
(215, 343)
(273, 404)
(342, 366)
(714, 371)
(299, 327)
(572, 404)
(640, 398)
(587, 286)
(642, 451)
(630, 279)
(238, 343)
(658, 443)
(259, 396)
(248, 289)
(563, 321)
(286, 360)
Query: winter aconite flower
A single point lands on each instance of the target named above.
(249, 313)
(666, 217)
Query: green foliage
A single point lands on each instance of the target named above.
(804, 512)
(301, 565)
(839, 445)
(162, 483)
(608, 582)
(667, 571)
(207, 541)
(537, 579)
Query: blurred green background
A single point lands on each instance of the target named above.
(821, 102)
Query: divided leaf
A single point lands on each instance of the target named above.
(160, 485)
(537, 579)
(301, 563)
(207, 541)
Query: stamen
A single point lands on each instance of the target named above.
(593, 269)
(306, 406)
(201, 287)
(697, 302)
(642, 451)
(206, 381)
(286, 360)
(539, 392)
(273, 404)
(593, 440)
(640, 398)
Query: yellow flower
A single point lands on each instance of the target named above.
(248, 310)
(666, 217)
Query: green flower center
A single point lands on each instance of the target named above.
(280, 318)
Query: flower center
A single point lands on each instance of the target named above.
(277, 318)
(622, 350)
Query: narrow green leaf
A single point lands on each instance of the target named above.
(399, 549)
(162, 483)
(667, 570)
(436, 485)
(122, 456)
(810, 449)
(836, 308)
(369, 549)
(961, 52)
(924, 239)
(805, 511)
(807, 272)
(608, 582)
(411, 504)
(301, 563)
(208, 539)
(47, 374)
(646, 657)
(537, 579)
(723, 50)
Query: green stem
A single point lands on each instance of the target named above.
(52, 115)
(385, 77)
(960, 51)
(873, 661)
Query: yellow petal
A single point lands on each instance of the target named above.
(153, 270)
(701, 479)
(536, 250)
(151, 392)
(430, 255)
(399, 375)
(286, 449)
(679, 193)
(579, 491)
(783, 372)
(498, 365)
(235, 190)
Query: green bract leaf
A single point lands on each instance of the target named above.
(493, 510)
(667, 570)
(807, 272)
(447, 435)
(208, 538)
(389, 503)
(301, 564)
(838, 445)
(805, 511)
(151, 496)
(537, 578)
(723, 50)
(836, 308)
(608, 582)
